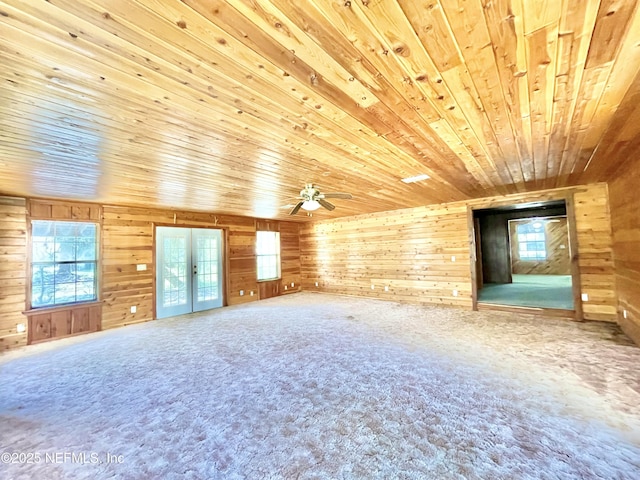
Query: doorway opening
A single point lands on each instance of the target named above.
(524, 257)
(188, 270)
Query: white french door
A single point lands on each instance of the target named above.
(188, 270)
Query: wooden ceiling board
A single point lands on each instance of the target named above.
(232, 106)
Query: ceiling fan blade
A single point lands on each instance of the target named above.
(346, 196)
(326, 204)
(296, 208)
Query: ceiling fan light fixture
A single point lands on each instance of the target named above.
(416, 178)
(311, 205)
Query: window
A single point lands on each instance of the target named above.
(268, 252)
(531, 241)
(63, 262)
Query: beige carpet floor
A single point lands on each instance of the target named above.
(315, 386)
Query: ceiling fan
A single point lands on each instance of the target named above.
(311, 199)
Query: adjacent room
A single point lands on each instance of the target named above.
(274, 239)
(524, 256)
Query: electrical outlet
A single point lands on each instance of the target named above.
(134, 309)
(292, 284)
(625, 313)
(21, 327)
(316, 284)
(373, 287)
(242, 293)
(585, 297)
(386, 288)
(455, 293)
(453, 258)
(285, 287)
(141, 267)
(251, 293)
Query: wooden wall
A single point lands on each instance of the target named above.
(558, 261)
(126, 242)
(423, 255)
(13, 271)
(625, 222)
(595, 250)
(290, 257)
(420, 254)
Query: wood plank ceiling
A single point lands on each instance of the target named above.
(232, 106)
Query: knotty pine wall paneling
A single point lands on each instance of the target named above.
(127, 240)
(418, 255)
(557, 262)
(422, 255)
(290, 257)
(625, 225)
(13, 271)
(595, 252)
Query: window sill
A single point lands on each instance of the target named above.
(60, 308)
(269, 280)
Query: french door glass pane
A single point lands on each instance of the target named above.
(207, 261)
(175, 271)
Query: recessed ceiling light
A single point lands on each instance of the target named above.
(416, 178)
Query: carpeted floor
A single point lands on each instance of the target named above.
(315, 386)
(542, 291)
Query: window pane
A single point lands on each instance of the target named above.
(86, 243)
(65, 249)
(85, 291)
(64, 256)
(268, 255)
(43, 249)
(42, 229)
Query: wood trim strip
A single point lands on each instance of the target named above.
(473, 251)
(61, 308)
